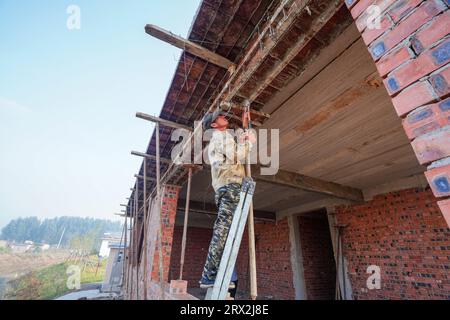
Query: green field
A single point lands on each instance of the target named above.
(5, 250)
(51, 282)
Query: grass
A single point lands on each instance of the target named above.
(51, 282)
(5, 250)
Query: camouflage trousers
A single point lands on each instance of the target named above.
(227, 199)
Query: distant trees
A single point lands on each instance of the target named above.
(50, 230)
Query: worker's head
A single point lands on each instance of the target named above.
(215, 120)
(221, 123)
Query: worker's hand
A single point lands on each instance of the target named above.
(249, 135)
(245, 119)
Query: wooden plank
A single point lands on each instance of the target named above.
(163, 122)
(125, 260)
(145, 276)
(298, 46)
(237, 107)
(359, 125)
(300, 181)
(159, 200)
(314, 66)
(142, 177)
(185, 224)
(284, 16)
(188, 46)
(264, 45)
(150, 157)
(251, 241)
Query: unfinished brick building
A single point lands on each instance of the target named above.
(364, 180)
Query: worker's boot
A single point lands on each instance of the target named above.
(206, 283)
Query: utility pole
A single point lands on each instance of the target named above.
(62, 234)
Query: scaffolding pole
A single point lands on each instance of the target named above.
(158, 195)
(186, 214)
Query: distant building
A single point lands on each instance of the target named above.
(20, 247)
(113, 275)
(44, 247)
(108, 240)
(3, 244)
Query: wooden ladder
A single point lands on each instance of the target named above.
(220, 289)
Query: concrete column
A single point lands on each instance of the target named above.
(296, 259)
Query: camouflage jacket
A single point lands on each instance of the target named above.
(227, 158)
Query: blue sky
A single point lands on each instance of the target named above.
(68, 100)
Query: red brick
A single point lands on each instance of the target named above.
(369, 35)
(178, 287)
(415, 69)
(360, 7)
(438, 29)
(318, 269)
(401, 8)
(441, 82)
(432, 146)
(412, 97)
(403, 233)
(168, 213)
(351, 3)
(444, 205)
(393, 60)
(272, 261)
(427, 118)
(407, 27)
(439, 180)
(361, 21)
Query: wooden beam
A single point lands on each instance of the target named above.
(163, 122)
(237, 107)
(287, 12)
(188, 46)
(150, 157)
(300, 181)
(142, 177)
(209, 208)
(282, 19)
(239, 120)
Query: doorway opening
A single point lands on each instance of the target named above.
(317, 254)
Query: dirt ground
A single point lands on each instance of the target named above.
(16, 264)
(13, 265)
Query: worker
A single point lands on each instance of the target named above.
(226, 157)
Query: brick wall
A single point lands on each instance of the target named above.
(405, 235)
(197, 244)
(272, 259)
(411, 49)
(168, 213)
(273, 264)
(318, 260)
